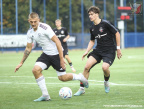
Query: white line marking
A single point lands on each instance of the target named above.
(123, 105)
(24, 77)
(136, 56)
(142, 85)
(91, 82)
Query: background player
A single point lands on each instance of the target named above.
(107, 35)
(62, 34)
(52, 55)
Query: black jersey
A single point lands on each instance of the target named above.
(61, 34)
(104, 32)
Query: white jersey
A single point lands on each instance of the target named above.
(43, 36)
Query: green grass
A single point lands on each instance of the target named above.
(18, 90)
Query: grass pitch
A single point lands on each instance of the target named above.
(18, 90)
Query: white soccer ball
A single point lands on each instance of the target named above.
(65, 93)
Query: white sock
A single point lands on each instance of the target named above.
(76, 77)
(41, 83)
(82, 88)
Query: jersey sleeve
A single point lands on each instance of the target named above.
(66, 32)
(29, 39)
(111, 27)
(92, 36)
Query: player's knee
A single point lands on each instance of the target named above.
(35, 70)
(87, 68)
(105, 68)
(62, 78)
(66, 56)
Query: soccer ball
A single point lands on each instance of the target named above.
(65, 93)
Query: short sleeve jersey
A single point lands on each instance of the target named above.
(61, 34)
(104, 33)
(43, 36)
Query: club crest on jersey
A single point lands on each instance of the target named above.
(62, 32)
(101, 29)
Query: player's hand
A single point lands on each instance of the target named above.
(62, 63)
(64, 40)
(119, 54)
(18, 66)
(65, 62)
(84, 55)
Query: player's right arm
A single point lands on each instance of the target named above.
(26, 54)
(90, 46)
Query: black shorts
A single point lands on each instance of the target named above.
(65, 52)
(106, 56)
(49, 60)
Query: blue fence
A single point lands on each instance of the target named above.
(82, 40)
(131, 40)
(134, 40)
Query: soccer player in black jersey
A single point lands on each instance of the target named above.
(108, 42)
(63, 36)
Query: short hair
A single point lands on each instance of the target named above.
(94, 9)
(57, 20)
(33, 15)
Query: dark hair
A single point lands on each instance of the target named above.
(94, 9)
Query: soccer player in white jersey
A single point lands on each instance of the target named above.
(52, 55)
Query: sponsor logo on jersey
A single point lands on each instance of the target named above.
(60, 35)
(43, 26)
(99, 36)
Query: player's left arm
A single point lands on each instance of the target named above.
(66, 34)
(59, 47)
(114, 30)
(66, 38)
(119, 54)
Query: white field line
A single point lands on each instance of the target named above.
(136, 56)
(123, 106)
(24, 77)
(66, 83)
(90, 81)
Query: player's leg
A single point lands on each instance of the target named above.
(89, 64)
(37, 72)
(108, 59)
(63, 76)
(105, 68)
(66, 56)
(70, 62)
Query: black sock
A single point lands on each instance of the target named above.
(70, 64)
(106, 78)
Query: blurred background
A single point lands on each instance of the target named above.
(127, 15)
